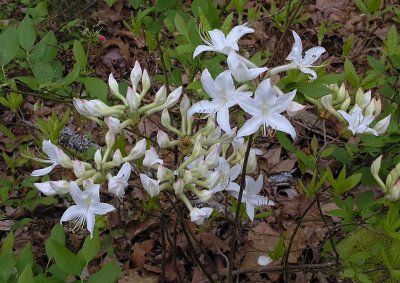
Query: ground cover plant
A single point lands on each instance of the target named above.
(199, 141)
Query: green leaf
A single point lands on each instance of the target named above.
(39, 11)
(65, 259)
(285, 141)
(25, 258)
(376, 64)
(374, 5)
(199, 4)
(227, 24)
(107, 274)
(31, 82)
(49, 41)
(73, 75)
(7, 264)
(110, 2)
(351, 74)
(8, 243)
(26, 275)
(311, 89)
(26, 33)
(79, 54)
(165, 4)
(96, 88)
(181, 25)
(43, 72)
(90, 248)
(9, 45)
(392, 40)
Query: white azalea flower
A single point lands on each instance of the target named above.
(357, 122)
(265, 109)
(117, 184)
(251, 195)
(219, 43)
(227, 177)
(264, 260)
(87, 205)
(223, 94)
(52, 188)
(151, 186)
(242, 69)
(198, 215)
(311, 55)
(56, 157)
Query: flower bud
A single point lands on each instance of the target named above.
(378, 106)
(173, 97)
(117, 158)
(97, 159)
(161, 96)
(79, 168)
(184, 106)
(212, 180)
(345, 105)
(187, 177)
(145, 81)
(132, 99)
(212, 159)
(137, 151)
(110, 139)
(179, 186)
(375, 167)
(163, 173)
(51, 188)
(136, 75)
(151, 158)
(370, 109)
(151, 186)
(165, 119)
(203, 195)
(198, 215)
(112, 83)
(210, 126)
(113, 124)
(382, 126)
(162, 139)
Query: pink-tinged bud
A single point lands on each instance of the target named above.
(79, 168)
(173, 97)
(113, 124)
(102, 38)
(94, 107)
(97, 159)
(161, 96)
(51, 188)
(212, 159)
(184, 106)
(162, 139)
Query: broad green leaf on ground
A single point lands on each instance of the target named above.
(9, 45)
(26, 33)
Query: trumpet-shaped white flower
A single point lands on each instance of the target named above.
(357, 122)
(117, 184)
(219, 43)
(223, 94)
(198, 215)
(87, 205)
(311, 55)
(251, 195)
(227, 177)
(56, 157)
(242, 69)
(151, 186)
(52, 188)
(265, 109)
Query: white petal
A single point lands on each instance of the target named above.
(50, 149)
(280, 123)
(250, 210)
(208, 83)
(77, 194)
(44, 171)
(73, 212)
(264, 260)
(297, 49)
(249, 105)
(312, 55)
(251, 126)
(101, 208)
(203, 106)
(125, 172)
(294, 108)
(201, 48)
(237, 32)
(90, 222)
(309, 71)
(223, 119)
(45, 188)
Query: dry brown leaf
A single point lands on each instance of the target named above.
(140, 250)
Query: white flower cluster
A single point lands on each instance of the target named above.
(210, 158)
